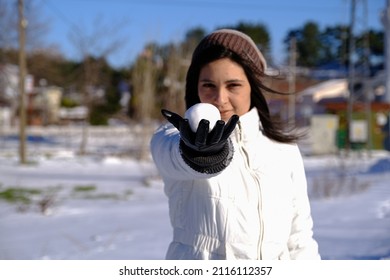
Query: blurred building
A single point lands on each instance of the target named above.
(42, 102)
(43, 106)
(320, 105)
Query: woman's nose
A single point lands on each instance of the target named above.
(221, 96)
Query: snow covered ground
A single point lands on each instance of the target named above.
(112, 207)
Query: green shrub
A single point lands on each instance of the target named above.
(86, 188)
(68, 102)
(18, 195)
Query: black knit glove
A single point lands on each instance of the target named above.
(204, 151)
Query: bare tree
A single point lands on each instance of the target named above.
(177, 62)
(22, 75)
(175, 79)
(36, 28)
(144, 79)
(8, 22)
(94, 46)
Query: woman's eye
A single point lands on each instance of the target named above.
(208, 85)
(233, 85)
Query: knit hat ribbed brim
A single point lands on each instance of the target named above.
(237, 42)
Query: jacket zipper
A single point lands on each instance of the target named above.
(247, 162)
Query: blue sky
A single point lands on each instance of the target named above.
(162, 21)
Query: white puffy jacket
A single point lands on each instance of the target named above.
(257, 208)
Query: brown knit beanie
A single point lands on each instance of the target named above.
(237, 42)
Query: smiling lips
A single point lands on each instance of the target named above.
(225, 114)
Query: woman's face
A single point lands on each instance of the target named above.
(224, 84)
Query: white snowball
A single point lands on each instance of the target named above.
(200, 111)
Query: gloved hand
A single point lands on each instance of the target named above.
(202, 141)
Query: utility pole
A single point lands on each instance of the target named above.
(386, 24)
(291, 80)
(367, 87)
(386, 98)
(22, 76)
(351, 74)
(359, 25)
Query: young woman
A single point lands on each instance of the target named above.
(238, 191)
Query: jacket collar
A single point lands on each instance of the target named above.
(249, 125)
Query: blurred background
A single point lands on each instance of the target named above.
(82, 83)
(100, 63)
